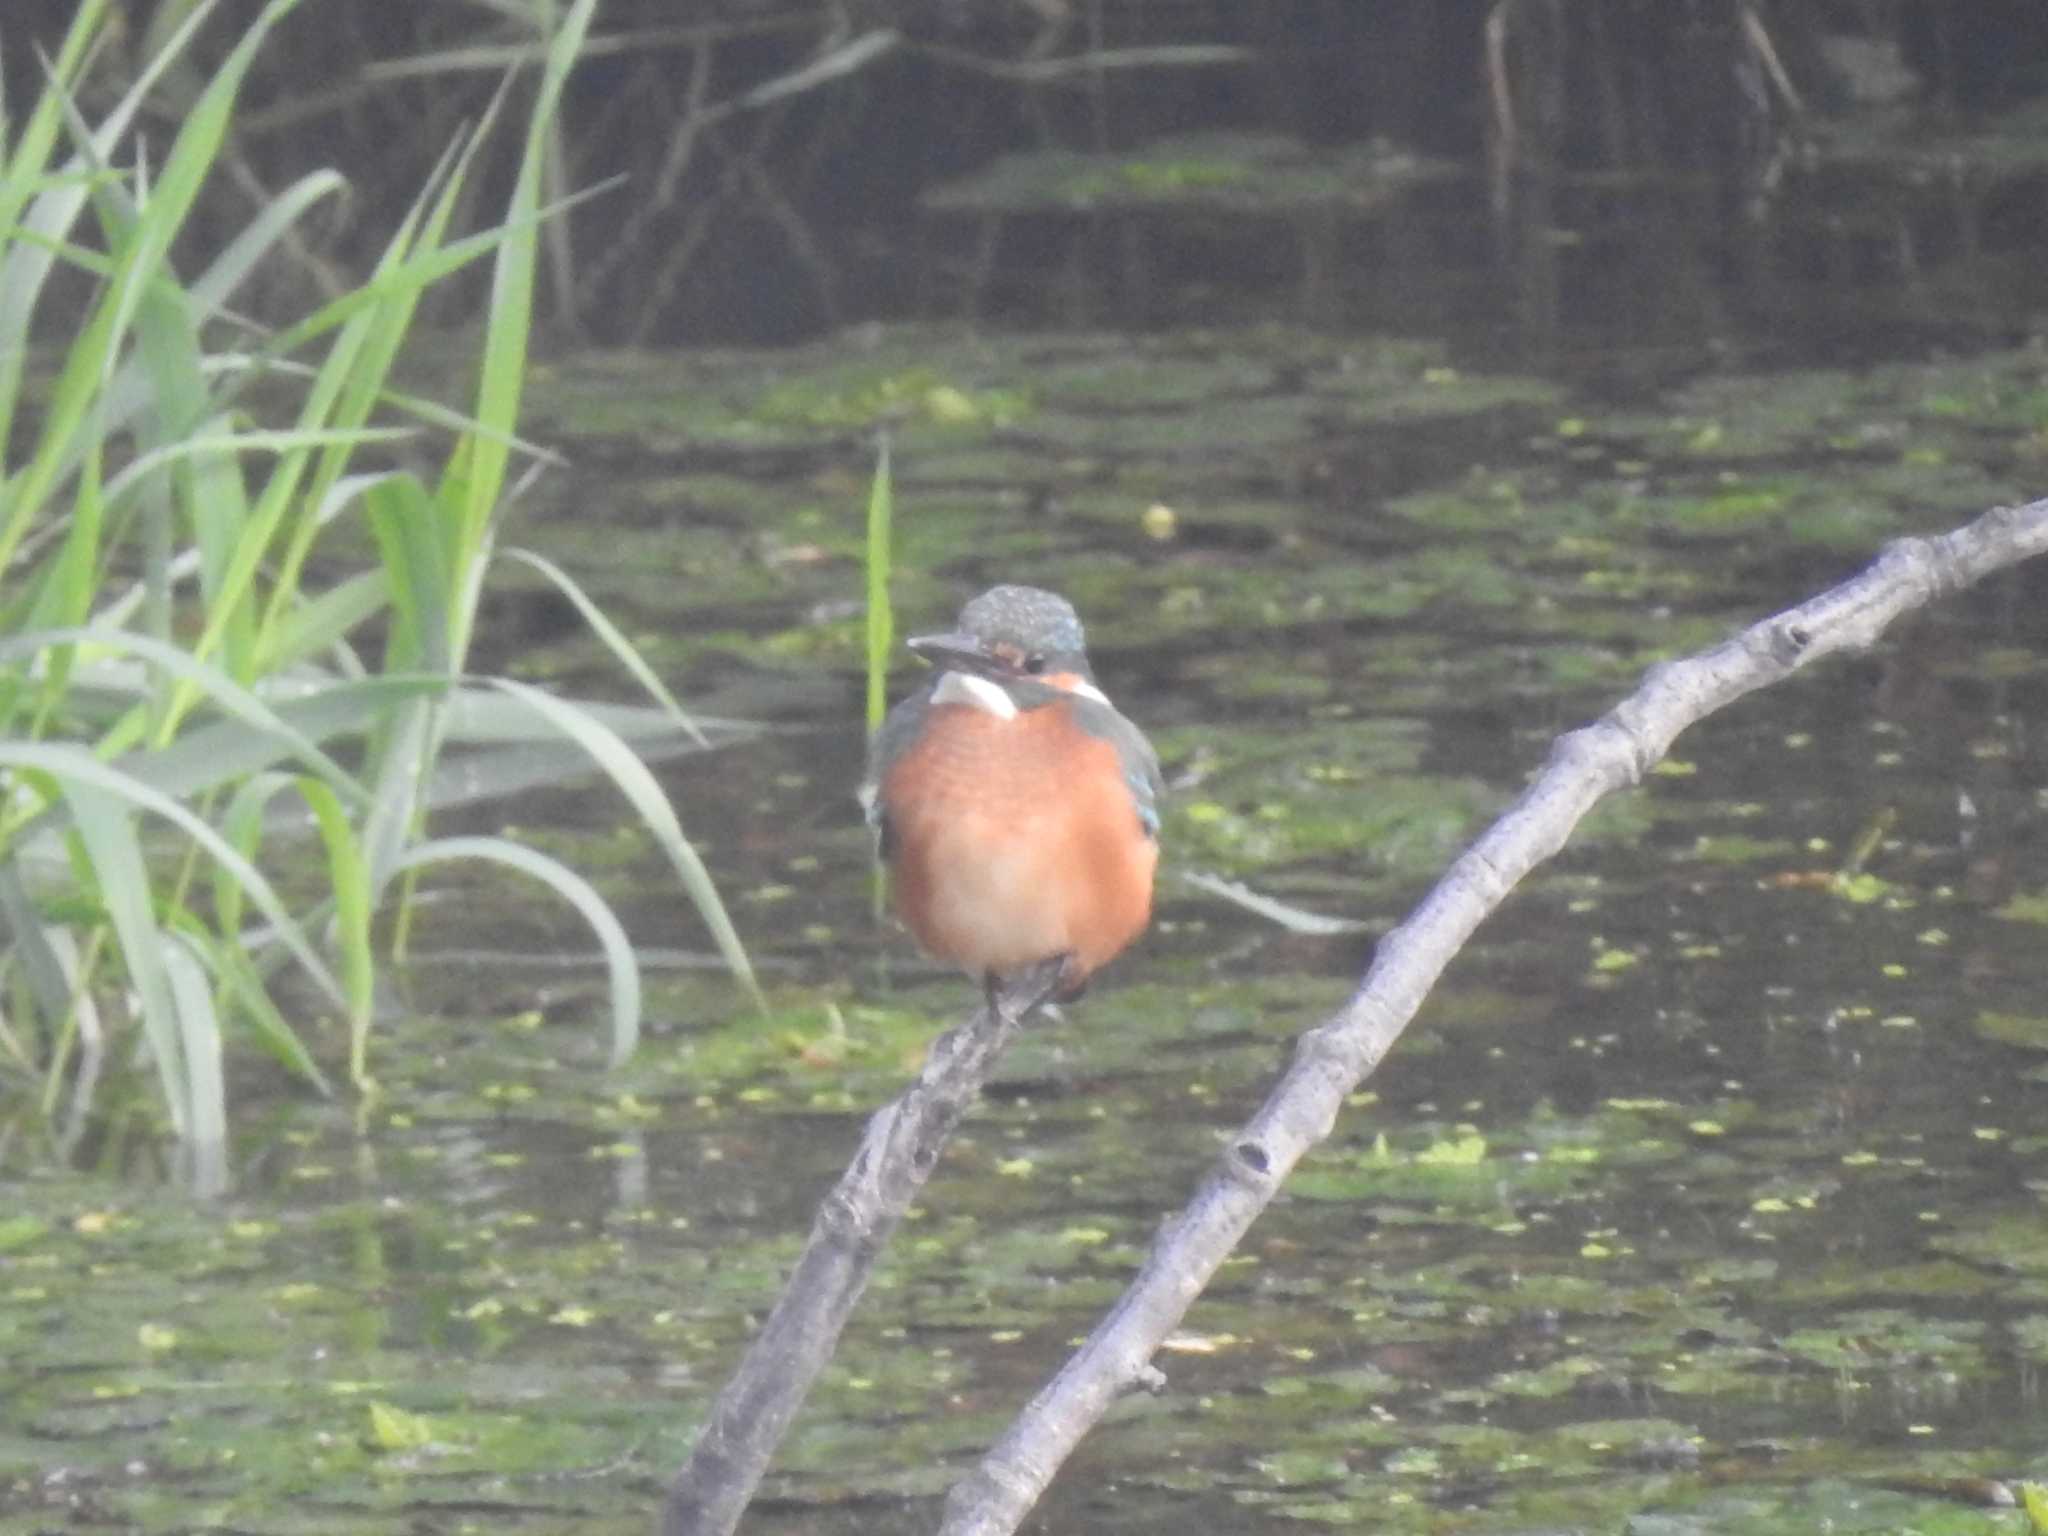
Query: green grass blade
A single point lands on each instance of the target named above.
(405, 522)
(402, 520)
(228, 695)
(323, 622)
(243, 254)
(74, 397)
(480, 714)
(210, 756)
(117, 871)
(242, 824)
(508, 323)
(75, 769)
(143, 249)
(881, 616)
(41, 969)
(881, 625)
(615, 641)
(2034, 1499)
(452, 421)
(418, 272)
(213, 442)
(624, 969)
(245, 988)
(350, 379)
(610, 752)
(348, 878)
(201, 131)
(401, 764)
(199, 1037)
(25, 263)
(64, 590)
(195, 465)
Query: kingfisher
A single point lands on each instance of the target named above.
(1016, 809)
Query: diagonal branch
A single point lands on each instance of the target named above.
(898, 1151)
(1585, 766)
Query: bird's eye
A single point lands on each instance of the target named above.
(1034, 664)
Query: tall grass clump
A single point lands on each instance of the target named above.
(181, 708)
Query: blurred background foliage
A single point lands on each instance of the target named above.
(788, 162)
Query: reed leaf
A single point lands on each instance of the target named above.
(620, 964)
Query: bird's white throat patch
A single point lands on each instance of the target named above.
(975, 692)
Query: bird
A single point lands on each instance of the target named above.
(1016, 809)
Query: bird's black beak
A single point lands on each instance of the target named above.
(959, 652)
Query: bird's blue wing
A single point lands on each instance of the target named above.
(1140, 762)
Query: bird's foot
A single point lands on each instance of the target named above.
(1015, 995)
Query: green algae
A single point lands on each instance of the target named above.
(1706, 1199)
(2028, 1031)
(1228, 171)
(864, 396)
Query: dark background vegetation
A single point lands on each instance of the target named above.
(1690, 148)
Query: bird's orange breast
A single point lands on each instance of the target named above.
(1017, 839)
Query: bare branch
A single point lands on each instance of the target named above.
(655, 202)
(848, 58)
(491, 58)
(1336, 1055)
(1082, 68)
(1294, 919)
(853, 1225)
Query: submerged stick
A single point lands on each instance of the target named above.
(897, 1153)
(1335, 1056)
